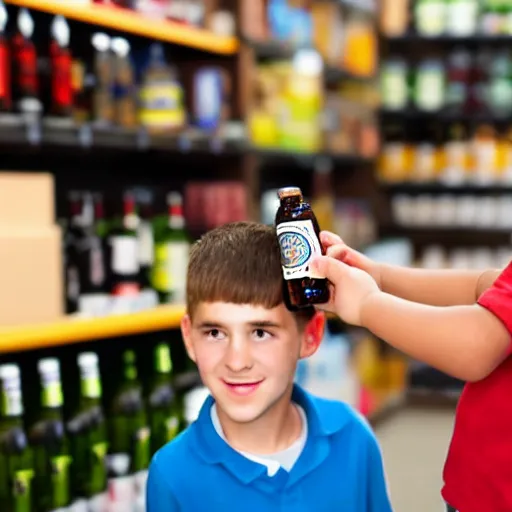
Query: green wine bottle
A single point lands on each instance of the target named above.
(52, 459)
(130, 453)
(163, 405)
(172, 250)
(88, 436)
(16, 458)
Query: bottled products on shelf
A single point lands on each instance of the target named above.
(16, 479)
(476, 212)
(436, 257)
(455, 18)
(136, 260)
(446, 152)
(63, 87)
(51, 448)
(463, 83)
(91, 455)
(171, 254)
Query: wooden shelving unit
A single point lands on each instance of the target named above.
(133, 23)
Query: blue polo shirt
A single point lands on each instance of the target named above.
(340, 468)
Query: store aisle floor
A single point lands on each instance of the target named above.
(414, 444)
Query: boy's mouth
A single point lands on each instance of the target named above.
(242, 388)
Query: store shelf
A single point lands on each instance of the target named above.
(440, 188)
(449, 236)
(134, 23)
(73, 330)
(415, 115)
(475, 40)
(310, 159)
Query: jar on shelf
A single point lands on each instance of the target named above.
(430, 17)
(462, 17)
(429, 90)
(393, 84)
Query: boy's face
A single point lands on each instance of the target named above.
(247, 355)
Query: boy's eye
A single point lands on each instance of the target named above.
(261, 334)
(216, 334)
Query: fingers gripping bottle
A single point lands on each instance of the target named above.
(298, 234)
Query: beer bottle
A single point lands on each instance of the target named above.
(298, 235)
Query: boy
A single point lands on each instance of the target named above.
(260, 442)
(459, 322)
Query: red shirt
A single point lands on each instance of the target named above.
(478, 471)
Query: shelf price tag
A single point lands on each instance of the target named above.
(85, 136)
(184, 144)
(143, 139)
(216, 145)
(33, 132)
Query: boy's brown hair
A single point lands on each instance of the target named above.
(238, 263)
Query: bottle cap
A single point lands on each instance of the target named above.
(9, 371)
(49, 365)
(174, 199)
(289, 192)
(87, 359)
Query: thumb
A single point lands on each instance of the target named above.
(325, 267)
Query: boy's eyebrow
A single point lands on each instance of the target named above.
(258, 324)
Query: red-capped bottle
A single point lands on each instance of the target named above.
(5, 64)
(25, 77)
(61, 77)
(298, 234)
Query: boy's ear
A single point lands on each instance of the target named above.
(313, 334)
(186, 328)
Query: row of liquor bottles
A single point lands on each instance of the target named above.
(115, 89)
(451, 153)
(127, 264)
(91, 455)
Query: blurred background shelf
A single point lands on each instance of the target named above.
(72, 330)
(124, 20)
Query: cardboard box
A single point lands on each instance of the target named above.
(27, 200)
(31, 281)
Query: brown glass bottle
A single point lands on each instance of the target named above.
(298, 235)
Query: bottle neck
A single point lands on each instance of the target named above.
(11, 405)
(51, 394)
(291, 201)
(163, 364)
(176, 218)
(130, 219)
(90, 383)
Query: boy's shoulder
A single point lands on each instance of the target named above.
(179, 449)
(335, 414)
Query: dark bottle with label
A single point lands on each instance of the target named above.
(298, 235)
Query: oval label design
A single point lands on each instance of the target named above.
(295, 249)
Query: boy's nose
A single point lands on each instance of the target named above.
(238, 356)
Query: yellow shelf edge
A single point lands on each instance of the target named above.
(134, 23)
(73, 330)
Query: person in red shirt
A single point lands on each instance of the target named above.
(459, 322)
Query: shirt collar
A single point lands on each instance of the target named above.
(321, 424)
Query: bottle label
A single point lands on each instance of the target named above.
(172, 425)
(12, 404)
(22, 490)
(60, 479)
(140, 480)
(5, 74)
(299, 243)
(124, 255)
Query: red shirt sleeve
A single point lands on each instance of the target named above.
(498, 298)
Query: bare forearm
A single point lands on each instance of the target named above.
(467, 342)
(436, 287)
